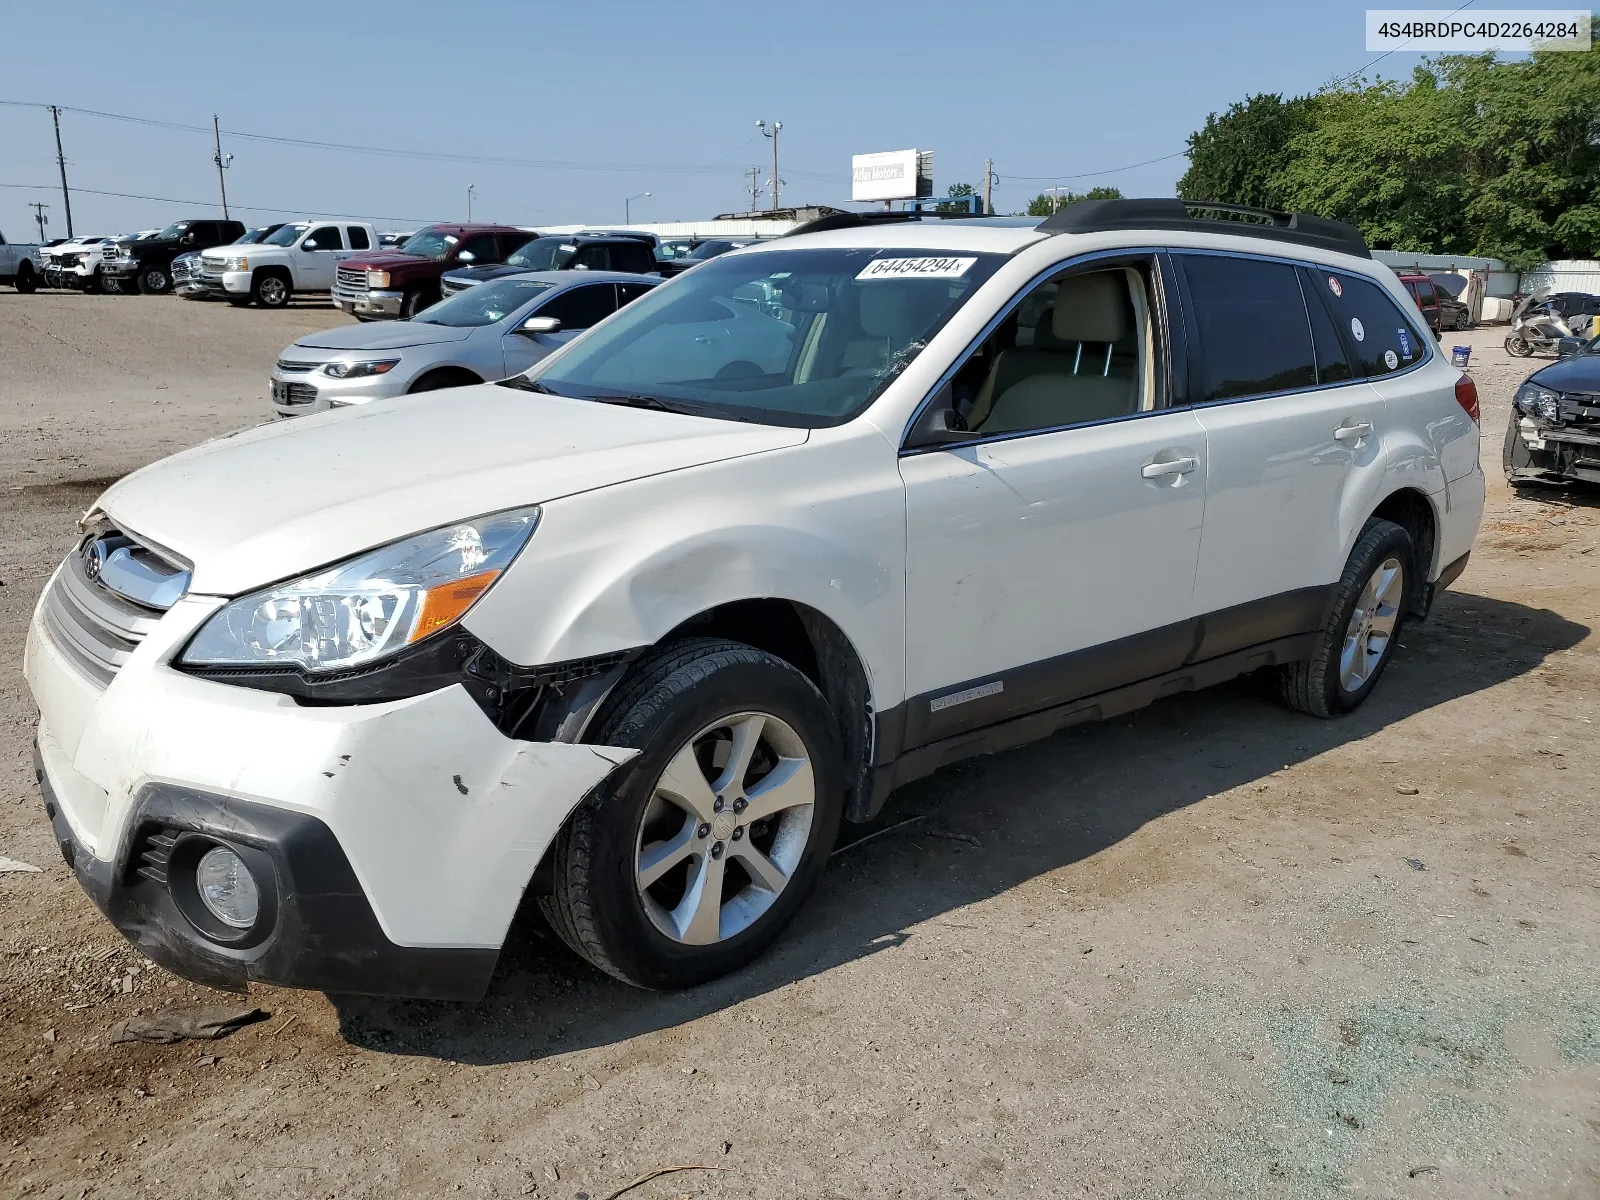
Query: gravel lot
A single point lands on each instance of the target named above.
(1215, 949)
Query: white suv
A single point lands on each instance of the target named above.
(321, 700)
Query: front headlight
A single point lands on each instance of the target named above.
(356, 370)
(1539, 402)
(377, 279)
(236, 264)
(369, 607)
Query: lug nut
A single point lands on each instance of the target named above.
(738, 833)
(716, 850)
(705, 830)
(716, 805)
(740, 804)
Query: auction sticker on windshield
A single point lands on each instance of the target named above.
(916, 268)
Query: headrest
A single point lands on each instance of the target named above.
(1092, 308)
(1044, 333)
(901, 310)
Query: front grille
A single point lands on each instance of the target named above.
(298, 393)
(291, 366)
(449, 287)
(354, 280)
(95, 627)
(182, 270)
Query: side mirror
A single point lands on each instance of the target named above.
(534, 326)
(466, 256)
(939, 424)
(186, 240)
(308, 244)
(1569, 346)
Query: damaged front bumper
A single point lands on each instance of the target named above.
(1538, 452)
(391, 842)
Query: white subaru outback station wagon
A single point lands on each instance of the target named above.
(635, 631)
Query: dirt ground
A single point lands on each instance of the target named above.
(1215, 949)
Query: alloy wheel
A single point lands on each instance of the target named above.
(725, 828)
(273, 291)
(155, 280)
(1371, 629)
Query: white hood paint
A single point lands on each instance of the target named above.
(278, 500)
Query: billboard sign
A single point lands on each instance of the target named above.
(891, 175)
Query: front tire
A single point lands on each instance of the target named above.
(271, 291)
(689, 861)
(155, 281)
(26, 281)
(414, 303)
(1358, 638)
(1518, 347)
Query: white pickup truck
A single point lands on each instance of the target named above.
(300, 257)
(19, 264)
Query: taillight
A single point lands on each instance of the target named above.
(1467, 397)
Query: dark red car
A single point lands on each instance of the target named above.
(404, 280)
(1440, 309)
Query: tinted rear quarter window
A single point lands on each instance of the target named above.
(1382, 338)
(1333, 365)
(1254, 334)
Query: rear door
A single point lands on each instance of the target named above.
(1293, 431)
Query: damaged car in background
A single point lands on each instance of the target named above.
(1554, 434)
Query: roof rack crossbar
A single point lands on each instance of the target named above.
(1096, 216)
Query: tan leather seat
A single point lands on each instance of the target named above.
(1064, 378)
(891, 316)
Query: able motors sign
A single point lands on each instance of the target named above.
(891, 175)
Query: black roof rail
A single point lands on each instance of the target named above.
(1190, 216)
(853, 220)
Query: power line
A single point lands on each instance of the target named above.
(257, 208)
(1089, 174)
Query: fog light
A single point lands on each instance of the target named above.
(227, 888)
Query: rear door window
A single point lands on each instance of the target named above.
(358, 238)
(636, 257)
(627, 293)
(1255, 336)
(1333, 365)
(1381, 338)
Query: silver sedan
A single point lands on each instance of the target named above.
(493, 331)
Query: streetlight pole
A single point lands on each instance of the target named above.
(773, 134)
(216, 134)
(627, 206)
(471, 189)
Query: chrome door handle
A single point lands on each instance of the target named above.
(1352, 433)
(1176, 466)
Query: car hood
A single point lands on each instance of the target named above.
(386, 335)
(486, 273)
(384, 260)
(1578, 374)
(278, 500)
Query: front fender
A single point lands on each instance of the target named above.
(619, 568)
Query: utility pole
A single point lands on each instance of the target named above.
(61, 161)
(988, 183)
(754, 176)
(471, 189)
(222, 163)
(773, 134)
(38, 215)
(1055, 199)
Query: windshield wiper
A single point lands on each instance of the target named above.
(645, 402)
(523, 383)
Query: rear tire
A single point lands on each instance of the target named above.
(26, 281)
(1363, 625)
(688, 707)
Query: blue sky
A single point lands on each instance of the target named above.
(641, 97)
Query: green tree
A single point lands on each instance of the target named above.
(1046, 203)
(1235, 159)
(957, 189)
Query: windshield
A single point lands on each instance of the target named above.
(543, 254)
(252, 237)
(709, 249)
(172, 232)
(287, 236)
(429, 243)
(785, 337)
(484, 304)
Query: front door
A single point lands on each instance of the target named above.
(318, 265)
(576, 308)
(1054, 556)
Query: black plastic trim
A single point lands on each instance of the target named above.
(1304, 229)
(323, 934)
(1451, 572)
(913, 739)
